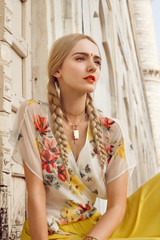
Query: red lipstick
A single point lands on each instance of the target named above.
(90, 78)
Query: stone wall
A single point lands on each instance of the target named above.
(121, 91)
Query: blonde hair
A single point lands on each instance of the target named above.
(58, 53)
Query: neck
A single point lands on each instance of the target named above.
(73, 106)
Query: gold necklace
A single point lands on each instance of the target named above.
(75, 127)
(74, 114)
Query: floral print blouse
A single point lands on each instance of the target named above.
(35, 144)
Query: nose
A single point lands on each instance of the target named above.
(91, 67)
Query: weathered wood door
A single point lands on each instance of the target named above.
(21, 90)
(15, 66)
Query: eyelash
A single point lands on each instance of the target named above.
(82, 58)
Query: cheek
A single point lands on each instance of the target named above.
(98, 74)
(77, 67)
(70, 68)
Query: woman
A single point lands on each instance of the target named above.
(71, 153)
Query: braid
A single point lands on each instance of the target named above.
(56, 117)
(96, 131)
(58, 54)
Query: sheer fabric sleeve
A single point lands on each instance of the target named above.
(23, 138)
(122, 157)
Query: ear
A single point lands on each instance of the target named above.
(57, 74)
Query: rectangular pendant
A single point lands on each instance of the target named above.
(76, 134)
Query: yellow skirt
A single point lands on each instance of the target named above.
(141, 221)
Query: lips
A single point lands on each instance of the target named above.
(90, 78)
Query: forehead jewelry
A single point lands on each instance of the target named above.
(75, 126)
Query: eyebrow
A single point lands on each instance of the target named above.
(86, 54)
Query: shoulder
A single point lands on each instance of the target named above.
(112, 127)
(110, 124)
(33, 106)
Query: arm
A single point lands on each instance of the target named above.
(116, 206)
(26, 153)
(36, 206)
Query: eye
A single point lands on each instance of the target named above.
(98, 62)
(80, 58)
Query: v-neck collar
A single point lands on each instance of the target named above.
(82, 149)
(68, 145)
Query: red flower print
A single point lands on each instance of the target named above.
(95, 150)
(41, 124)
(106, 122)
(48, 160)
(62, 174)
(109, 159)
(108, 151)
(63, 221)
(51, 146)
(81, 217)
(83, 209)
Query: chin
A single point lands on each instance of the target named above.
(87, 89)
(91, 89)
